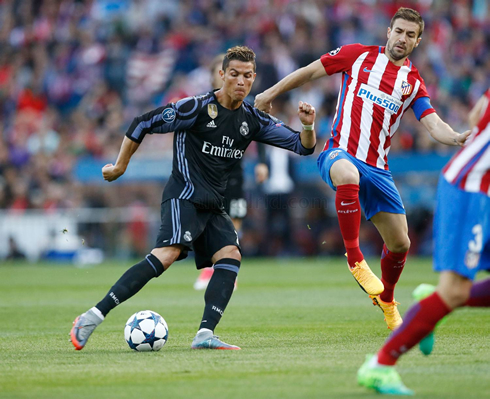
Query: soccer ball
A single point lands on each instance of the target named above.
(146, 331)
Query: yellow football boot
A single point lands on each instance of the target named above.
(366, 279)
(390, 310)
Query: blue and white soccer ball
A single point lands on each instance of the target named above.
(146, 331)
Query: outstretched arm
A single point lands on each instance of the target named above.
(276, 133)
(112, 172)
(442, 132)
(295, 79)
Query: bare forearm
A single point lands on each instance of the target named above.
(128, 148)
(444, 134)
(441, 131)
(290, 82)
(307, 115)
(308, 138)
(296, 79)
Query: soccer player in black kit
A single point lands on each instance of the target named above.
(234, 201)
(212, 132)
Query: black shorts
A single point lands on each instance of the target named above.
(203, 231)
(235, 202)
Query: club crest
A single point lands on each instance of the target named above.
(244, 130)
(406, 88)
(212, 110)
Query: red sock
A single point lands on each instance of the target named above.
(391, 267)
(349, 215)
(480, 294)
(419, 321)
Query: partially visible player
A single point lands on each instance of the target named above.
(212, 132)
(378, 85)
(234, 196)
(461, 249)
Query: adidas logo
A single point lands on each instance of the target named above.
(211, 124)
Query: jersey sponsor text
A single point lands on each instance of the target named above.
(375, 96)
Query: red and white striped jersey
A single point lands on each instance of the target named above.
(469, 168)
(373, 96)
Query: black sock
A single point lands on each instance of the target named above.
(219, 292)
(130, 283)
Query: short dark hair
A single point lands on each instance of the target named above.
(240, 53)
(409, 15)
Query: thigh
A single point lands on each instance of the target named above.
(219, 233)
(378, 193)
(332, 171)
(461, 231)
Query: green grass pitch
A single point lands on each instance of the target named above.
(303, 324)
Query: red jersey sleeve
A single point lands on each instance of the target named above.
(342, 58)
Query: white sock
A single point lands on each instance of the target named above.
(204, 329)
(98, 313)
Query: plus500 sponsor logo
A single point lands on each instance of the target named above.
(375, 96)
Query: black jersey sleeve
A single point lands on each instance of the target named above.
(169, 118)
(274, 132)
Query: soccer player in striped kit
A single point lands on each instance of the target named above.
(461, 249)
(378, 85)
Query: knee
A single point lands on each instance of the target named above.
(228, 252)
(347, 177)
(234, 253)
(399, 246)
(455, 297)
(167, 255)
(343, 172)
(454, 289)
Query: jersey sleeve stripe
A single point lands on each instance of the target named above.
(139, 131)
(182, 103)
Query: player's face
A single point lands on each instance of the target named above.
(238, 79)
(402, 39)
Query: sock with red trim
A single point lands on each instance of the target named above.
(419, 321)
(392, 265)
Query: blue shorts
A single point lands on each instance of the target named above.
(377, 193)
(461, 231)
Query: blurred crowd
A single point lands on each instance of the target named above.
(73, 74)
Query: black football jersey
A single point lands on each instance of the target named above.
(208, 141)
